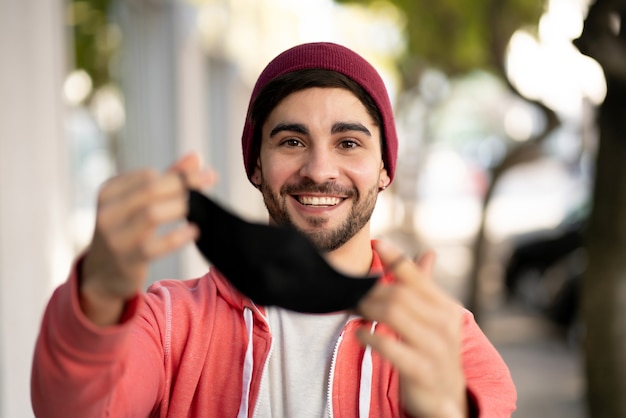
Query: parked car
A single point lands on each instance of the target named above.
(545, 269)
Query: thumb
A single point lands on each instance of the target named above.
(187, 163)
(189, 167)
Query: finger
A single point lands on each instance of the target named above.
(402, 357)
(431, 355)
(161, 189)
(170, 241)
(413, 275)
(409, 313)
(189, 168)
(123, 184)
(128, 219)
(188, 162)
(143, 225)
(426, 262)
(396, 262)
(199, 180)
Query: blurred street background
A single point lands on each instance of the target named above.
(502, 110)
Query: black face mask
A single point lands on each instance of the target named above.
(272, 265)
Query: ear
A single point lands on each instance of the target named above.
(383, 179)
(257, 176)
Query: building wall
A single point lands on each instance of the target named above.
(34, 243)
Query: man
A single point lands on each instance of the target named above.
(320, 144)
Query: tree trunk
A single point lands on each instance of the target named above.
(604, 285)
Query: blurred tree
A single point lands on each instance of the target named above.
(604, 285)
(459, 36)
(95, 42)
(95, 38)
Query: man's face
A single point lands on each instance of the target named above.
(320, 165)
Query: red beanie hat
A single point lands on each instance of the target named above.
(327, 56)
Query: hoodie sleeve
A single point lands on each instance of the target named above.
(490, 387)
(81, 370)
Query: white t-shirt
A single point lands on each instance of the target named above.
(296, 381)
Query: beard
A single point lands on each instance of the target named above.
(324, 239)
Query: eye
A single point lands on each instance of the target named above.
(348, 144)
(292, 142)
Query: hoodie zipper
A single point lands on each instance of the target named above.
(331, 374)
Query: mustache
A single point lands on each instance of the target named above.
(309, 186)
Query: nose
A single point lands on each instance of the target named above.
(320, 165)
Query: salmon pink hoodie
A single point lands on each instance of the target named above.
(198, 348)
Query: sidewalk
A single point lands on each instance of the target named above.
(548, 372)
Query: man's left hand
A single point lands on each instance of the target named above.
(428, 321)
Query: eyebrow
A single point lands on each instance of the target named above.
(290, 127)
(348, 127)
(338, 127)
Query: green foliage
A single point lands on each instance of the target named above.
(95, 38)
(461, 35)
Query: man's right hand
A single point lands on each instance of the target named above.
(131, 209)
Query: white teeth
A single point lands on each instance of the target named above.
(319, 200)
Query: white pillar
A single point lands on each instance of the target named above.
(35, 253)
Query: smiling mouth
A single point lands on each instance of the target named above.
(319, 201)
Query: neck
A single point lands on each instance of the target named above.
(355, 256)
